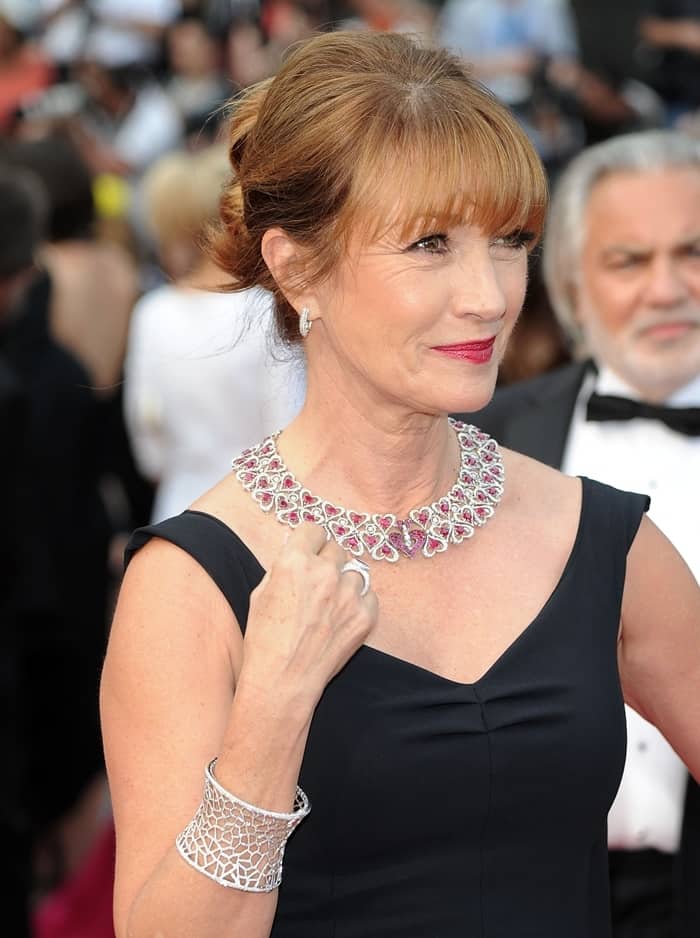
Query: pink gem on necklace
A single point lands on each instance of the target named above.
(427, 530)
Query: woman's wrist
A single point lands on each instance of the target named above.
(262, 747)
(290, 705)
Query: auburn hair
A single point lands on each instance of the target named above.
(360, 131)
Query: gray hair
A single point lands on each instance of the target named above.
(636, 152)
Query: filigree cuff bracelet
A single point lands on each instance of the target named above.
(235, 843)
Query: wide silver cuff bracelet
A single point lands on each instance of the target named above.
(235, 843)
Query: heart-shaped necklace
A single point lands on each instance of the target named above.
(428, 530)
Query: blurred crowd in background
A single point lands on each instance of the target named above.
(112, 155)
(120, 83)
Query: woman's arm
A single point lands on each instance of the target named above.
(659, 649)
(167, 693)
(168, 708)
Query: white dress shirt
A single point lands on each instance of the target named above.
(202, 381)
(645, 456)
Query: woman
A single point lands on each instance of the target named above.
(188, 349)
(458, 728)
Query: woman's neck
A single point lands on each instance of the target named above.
(370, 458)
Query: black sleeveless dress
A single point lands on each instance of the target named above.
(449, 810)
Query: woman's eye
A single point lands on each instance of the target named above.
(515, 241)
(431, 244)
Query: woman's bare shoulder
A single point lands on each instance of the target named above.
(166, 596)
(534, 484)
(166, 589)
(541, 511)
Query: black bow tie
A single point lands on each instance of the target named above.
(607, 407)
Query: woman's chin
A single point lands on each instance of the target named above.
(472, 399)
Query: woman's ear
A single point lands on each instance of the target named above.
(283, 258)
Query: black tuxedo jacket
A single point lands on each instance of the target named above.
(533, 417)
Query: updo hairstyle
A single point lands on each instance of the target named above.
(358, 132)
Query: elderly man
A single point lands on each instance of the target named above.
(622, 264)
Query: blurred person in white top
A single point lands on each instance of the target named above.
(192, 349)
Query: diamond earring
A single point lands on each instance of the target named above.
(305, 322)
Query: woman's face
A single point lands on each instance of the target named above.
(419, 324)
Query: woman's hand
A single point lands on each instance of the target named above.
(306, 620)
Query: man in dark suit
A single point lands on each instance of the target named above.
(622, 264)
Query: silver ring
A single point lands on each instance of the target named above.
(357, 566)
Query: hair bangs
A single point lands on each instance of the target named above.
(443, 168)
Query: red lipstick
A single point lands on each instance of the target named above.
(476, 352)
